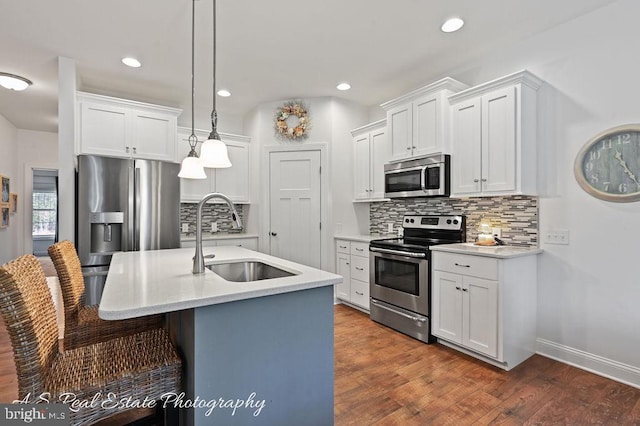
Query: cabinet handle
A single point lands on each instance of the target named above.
(484, 180)
(359, 269)
(359, 294)
(135, 150)
(342, 246)
(461, 265)
(126, 149)
(465, 289)
(371, 190)
(359, 249)
(476, 180)
(413, 147)
(458, 288)
(346, 263)
(408, 148)
(273, 234)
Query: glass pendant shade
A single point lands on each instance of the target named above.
(214, 154)
(191, 167)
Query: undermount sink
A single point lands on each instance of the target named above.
(245, 271)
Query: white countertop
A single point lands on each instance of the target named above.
(501, 252)
(218, 236)
(158, 281)
(362, 238)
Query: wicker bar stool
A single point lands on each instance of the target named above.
(136, 366)
(82, 326)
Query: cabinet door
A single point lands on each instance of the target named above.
(446, 319)
(399, 122)
(480, 315)
(104, 130)
(343, 267)
(466, 144)
(499, 141)
(234, 181)
(361, 167)
(380, 154)
(360, 293)
(426, 125)
(154, 136)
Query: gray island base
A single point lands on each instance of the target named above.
(254, 352)
(263, 361)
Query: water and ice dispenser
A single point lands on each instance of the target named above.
(106, 231)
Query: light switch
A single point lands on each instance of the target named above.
(214, 226)
(185, 227)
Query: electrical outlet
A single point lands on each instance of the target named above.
(556, 236)
(390, 227)
(185, 227)
(214, 226)
(496, 232)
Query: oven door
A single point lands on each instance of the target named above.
(400, 278)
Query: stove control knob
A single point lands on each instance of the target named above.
(455, 221)
(406, 220)
(412, 221)
(448, 221)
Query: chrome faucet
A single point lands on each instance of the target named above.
(198, 259)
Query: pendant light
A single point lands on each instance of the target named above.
(191, 167)
(214, 153)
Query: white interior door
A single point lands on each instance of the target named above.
(294, 211)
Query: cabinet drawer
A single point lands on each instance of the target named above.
(476, 266)
(360, 249)
(343, 246)
(360, 268)
(360, 293)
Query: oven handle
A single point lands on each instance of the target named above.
(397, 252)
(402, 314)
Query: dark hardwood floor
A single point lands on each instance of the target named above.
(385, 378)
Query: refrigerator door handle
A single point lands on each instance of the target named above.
(136, 223)
(130, 211)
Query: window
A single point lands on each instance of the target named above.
(44, 213)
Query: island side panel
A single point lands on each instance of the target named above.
(277, 349)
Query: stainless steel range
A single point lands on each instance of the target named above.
(400, 279)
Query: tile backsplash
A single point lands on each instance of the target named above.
(516, 215)
(211, 212)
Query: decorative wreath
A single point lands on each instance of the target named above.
(299, 131)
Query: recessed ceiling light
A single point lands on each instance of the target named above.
(224, 93)
(131, 62)
(343, 86)
(451, 25)
(14, 82)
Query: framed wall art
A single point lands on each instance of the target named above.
(13, 203)
(6, 190)
(5, 217)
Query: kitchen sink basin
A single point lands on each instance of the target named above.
(245, 271)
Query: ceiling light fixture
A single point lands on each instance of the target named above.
(451, 25)
(131, 62)
(343, 86)
(191, 167)
(224, 93)
(213, 153)
(14, 82)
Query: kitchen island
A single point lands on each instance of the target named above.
(258, 352)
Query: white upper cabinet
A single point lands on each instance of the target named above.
(418, 122)
(122, 128)
(493, 133)
(232, 181)
(371, 151)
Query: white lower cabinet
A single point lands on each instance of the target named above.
(485, 306)
(352, 262)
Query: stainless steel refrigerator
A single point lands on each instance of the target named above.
(123, 205)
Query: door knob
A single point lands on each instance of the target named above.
(273, 234)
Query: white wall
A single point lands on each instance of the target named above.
(37, 150)
(332, 119)
(589, 290)
(8, 167)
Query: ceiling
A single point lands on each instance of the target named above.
(267, 50)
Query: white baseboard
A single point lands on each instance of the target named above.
(596, 364)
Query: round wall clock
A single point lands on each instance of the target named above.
(608, 166)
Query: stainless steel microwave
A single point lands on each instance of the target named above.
(419, 177)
